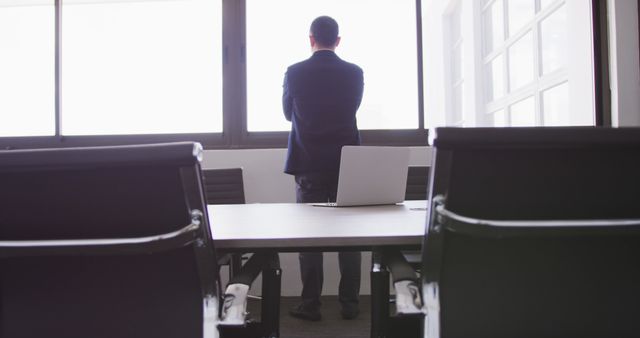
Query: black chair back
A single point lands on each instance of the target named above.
(97, 242)
(224, 186)
(515, 279)
(417, 183)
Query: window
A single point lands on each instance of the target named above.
(130, 71)
(100, 72)
(517, 68)
(386, 52)
(141, 67)
(535, 53)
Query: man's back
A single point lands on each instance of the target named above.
(321, 97)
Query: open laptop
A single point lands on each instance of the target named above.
(371, 176)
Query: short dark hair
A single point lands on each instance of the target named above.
(324, 30)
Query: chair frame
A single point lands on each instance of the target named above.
(441, 221)
(197, 234)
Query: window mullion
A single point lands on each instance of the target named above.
(57, 62)
(537, 65)
(234, 81)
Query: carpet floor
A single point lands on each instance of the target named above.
(331, 326)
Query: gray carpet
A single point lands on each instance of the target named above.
(331, 325)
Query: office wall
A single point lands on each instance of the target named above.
(266, 183)
(624, 62)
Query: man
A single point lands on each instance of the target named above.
(321, 96)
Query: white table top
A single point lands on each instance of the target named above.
(293, 227)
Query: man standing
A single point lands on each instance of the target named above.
(321, 97)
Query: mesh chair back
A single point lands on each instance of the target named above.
(417, 183)
(535, 281)
(224, 186)
(98, 193)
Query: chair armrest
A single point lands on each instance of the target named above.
(109, 246)
(408, 300)
(397, 264)
(517, 228)
(234, 307)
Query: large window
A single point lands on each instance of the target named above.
(141, 67)
(382, 42)
(526, 56)
(518, 62)
(97, 72)
(88, 72)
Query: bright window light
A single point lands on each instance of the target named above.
(520, 13)
(556, 105)
(141, 67)
(523, 113)
(554, 41)
(380, 39)
(521, 62)
(27, 69)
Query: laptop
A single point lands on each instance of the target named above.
(371, 175)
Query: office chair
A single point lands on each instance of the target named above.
(417, 186)
(403, 268)
(225, 186)
(533, 232)
(417, 182)
(107, 242)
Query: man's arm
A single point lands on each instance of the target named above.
(361, 89)
(287, 99)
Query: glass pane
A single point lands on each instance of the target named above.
(456, 63)
(27, 73)
(545, 3)
(390, 93)
(495, 78)
(456, 105)
(553, 32)
(456, 29)
(521, 62)
(498, 119)
(556, 106)
(142, 67)
(521, 12)
(523, 113)
(493, 20)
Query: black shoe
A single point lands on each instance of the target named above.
(350, 312)
(301, 313)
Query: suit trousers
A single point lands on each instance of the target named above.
(319, 188)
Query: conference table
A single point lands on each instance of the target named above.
(291, 227)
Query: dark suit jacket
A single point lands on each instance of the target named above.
(321, 96)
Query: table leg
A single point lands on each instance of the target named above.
(271, 289)
(379, 297)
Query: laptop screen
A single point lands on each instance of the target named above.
(372, 175)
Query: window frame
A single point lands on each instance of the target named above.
(511, 95)
(234, 106)
(541, 82)
(235, 134)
